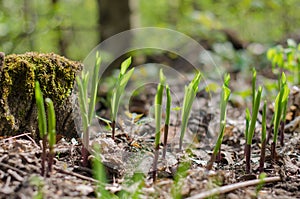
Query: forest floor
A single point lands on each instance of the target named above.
(132, 152)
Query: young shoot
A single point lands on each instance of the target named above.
(118, 91)
(87, 104)
(253, 85)
(167, 120)
(51, 132)
(263, 138)
(262, 177)
(179, 179)
(248, 119)
(280, 107)
(135, 184)
(225, 94)
(158, 107)
(282, 123)
(100, 175)
(42, 123)
(252, 128)
(189, 96)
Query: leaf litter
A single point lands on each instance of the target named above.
(133, 152)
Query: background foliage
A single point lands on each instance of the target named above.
(70, 27)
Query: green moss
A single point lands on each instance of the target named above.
(18, 74)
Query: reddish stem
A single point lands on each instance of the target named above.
(43, 155)
(219, 156)
(155, 163)
(166, 131)
(211, 161)
(248, 157)
(269, 130)
(262, 156)
(282, 124)
(84, 153)
(50, 162)
(113, 126)
(273, 151)
(85, 146)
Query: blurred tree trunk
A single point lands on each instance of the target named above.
(62, 41)
(114, 17)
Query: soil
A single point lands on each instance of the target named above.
(182, 174)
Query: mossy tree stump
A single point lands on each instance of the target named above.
(56, 75)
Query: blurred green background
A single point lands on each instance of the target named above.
(74, 27)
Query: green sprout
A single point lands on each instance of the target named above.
(263, 138)
(248, 119)
(261, 177)
(100, 175)
(158, 106)
(39, 183)
(253, 85)
(42, 123)
(87, 104)
(82, 83)
(286, 58)
(189, 96)
(282, 123)
(134, 184)
(119, 90)
(180, 176)
(251, 129)
(280, 109)
(51, 132)
(167, 120)
(224, 100)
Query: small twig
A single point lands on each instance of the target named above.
(15, 175)
(75, 174)
(8, 179)
(21, 135)
(293, 124)
(13, 137)
(6, 189)
(32, 140)
(12, 168)
(232, 187)
(84, 169)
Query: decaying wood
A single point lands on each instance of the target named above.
(18, 73)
